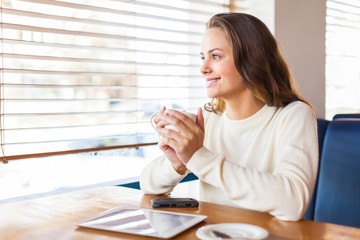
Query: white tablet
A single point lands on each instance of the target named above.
(145, 222)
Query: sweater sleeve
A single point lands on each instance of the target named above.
(286, 190)
(159, 177)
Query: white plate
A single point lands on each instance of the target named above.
(234, 230)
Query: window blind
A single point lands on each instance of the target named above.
(87, 74)
(342, 57)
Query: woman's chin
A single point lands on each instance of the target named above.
(212, 94)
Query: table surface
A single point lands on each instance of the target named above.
(53, 217)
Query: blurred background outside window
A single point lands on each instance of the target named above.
(80, 80)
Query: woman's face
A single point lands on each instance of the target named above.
(223, 81)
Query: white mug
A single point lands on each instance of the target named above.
(192, 116)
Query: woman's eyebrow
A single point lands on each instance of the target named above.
(211, 50)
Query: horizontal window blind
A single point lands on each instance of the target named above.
(87, 74)
(342, 57)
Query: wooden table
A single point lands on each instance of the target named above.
(53, 217)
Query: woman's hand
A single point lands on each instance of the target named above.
(166, 149)
(182, 144)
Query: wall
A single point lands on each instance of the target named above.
(300, 31)
(265, 11)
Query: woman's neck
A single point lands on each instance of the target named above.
(243, 109)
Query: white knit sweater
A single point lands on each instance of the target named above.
(267, 162)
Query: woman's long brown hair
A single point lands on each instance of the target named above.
(258, 60)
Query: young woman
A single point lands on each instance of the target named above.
(255, 144)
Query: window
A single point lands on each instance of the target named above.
(342, 57)
(87, 74)
(84, 76)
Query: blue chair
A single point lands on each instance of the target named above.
(338, 190)
(322, 125)
(346, 116)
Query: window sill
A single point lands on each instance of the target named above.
(33, 178)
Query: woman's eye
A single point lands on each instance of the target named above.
(202, 58)
(215, 56)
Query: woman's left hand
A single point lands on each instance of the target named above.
(190, 136)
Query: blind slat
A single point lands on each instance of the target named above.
(121, 7)
(91, 34)
(98, 22)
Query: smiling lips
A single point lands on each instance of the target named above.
(211, 81)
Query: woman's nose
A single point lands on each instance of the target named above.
(205, 69)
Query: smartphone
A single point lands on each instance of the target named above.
(174, 202)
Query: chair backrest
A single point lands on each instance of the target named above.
(338, 189)
(346, 116)
(322, 125)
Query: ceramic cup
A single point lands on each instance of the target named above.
(192, 116)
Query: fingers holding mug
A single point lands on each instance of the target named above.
(154, 118)
(157, 123)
